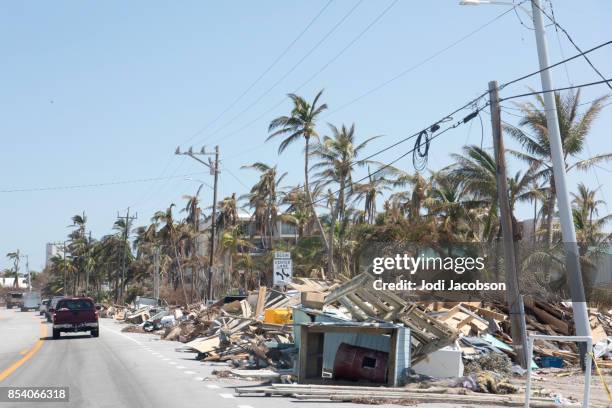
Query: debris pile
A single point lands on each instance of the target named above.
(455, 351)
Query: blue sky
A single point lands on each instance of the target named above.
(98, 92)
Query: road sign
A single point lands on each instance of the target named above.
(283, 268)
(282, 255)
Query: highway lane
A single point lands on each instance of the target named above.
(117, 370)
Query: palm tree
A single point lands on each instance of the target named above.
(15, 256)
(574, 128)
(297, 212)
(232, 244)
(476, 171)
(377, 184)
(263, 200)
(192, 222)
(337, 157)
(589, 228)
(300, 124)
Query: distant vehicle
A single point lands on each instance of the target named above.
(75, 314)
(51, 307)
(31, 300)
(14, 299)
(43, 306)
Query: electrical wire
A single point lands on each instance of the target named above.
(289, 72)
(569, 37)
(580, 54)
(318, 72)
(604, 81)
(264, 73)
(247, 90)
(552, 13)
(385, 83)
(421, 63)
(391, 163)
(235, 177)
(104, 184)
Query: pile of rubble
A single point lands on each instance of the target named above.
(261, 336)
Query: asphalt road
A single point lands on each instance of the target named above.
(117, 370)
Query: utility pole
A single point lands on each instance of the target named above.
(28, 272)
(156, 273)
(128, 219)
(214, 170)
(65, 275)
(515, 306)
(568, 232)
(87, 267)
(63, 244)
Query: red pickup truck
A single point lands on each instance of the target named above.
(75, 314)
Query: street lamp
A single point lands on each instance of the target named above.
(495, 3)
(568, 232)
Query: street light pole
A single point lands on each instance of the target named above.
(581, 317)
(568, 232)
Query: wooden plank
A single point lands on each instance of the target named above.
(500, 317)
(261, 303)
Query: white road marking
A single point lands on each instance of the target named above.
(199, 378)
(190, 372)
(166, 359)
(227, 395)
(173, 363)
(213, 386)
(180, 367)
(244, 406)
(122, 335)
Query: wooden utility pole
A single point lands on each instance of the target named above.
(515, 306)
(214, 170)
(213, 225)
(128, 219)
(156, 277)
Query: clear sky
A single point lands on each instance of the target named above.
(103, 91)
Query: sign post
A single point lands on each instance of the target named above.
(283, 268)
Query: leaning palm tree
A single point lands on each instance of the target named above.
(300, 124)
(337, 157)
(15, 256)
(574, 128)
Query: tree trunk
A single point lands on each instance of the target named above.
(550, 208)
(178, 261)
(309, 197)
(340, 216)
(330, 251)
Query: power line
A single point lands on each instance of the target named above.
(605, 81)
(552, 13)
(235, 177)
(569, 37)
(376, 88)
(580, 54)
(293, 68)
(266, 71)
(422, 62)
(110, 183)
(403, 155)
(319, 71)
(255, 82)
